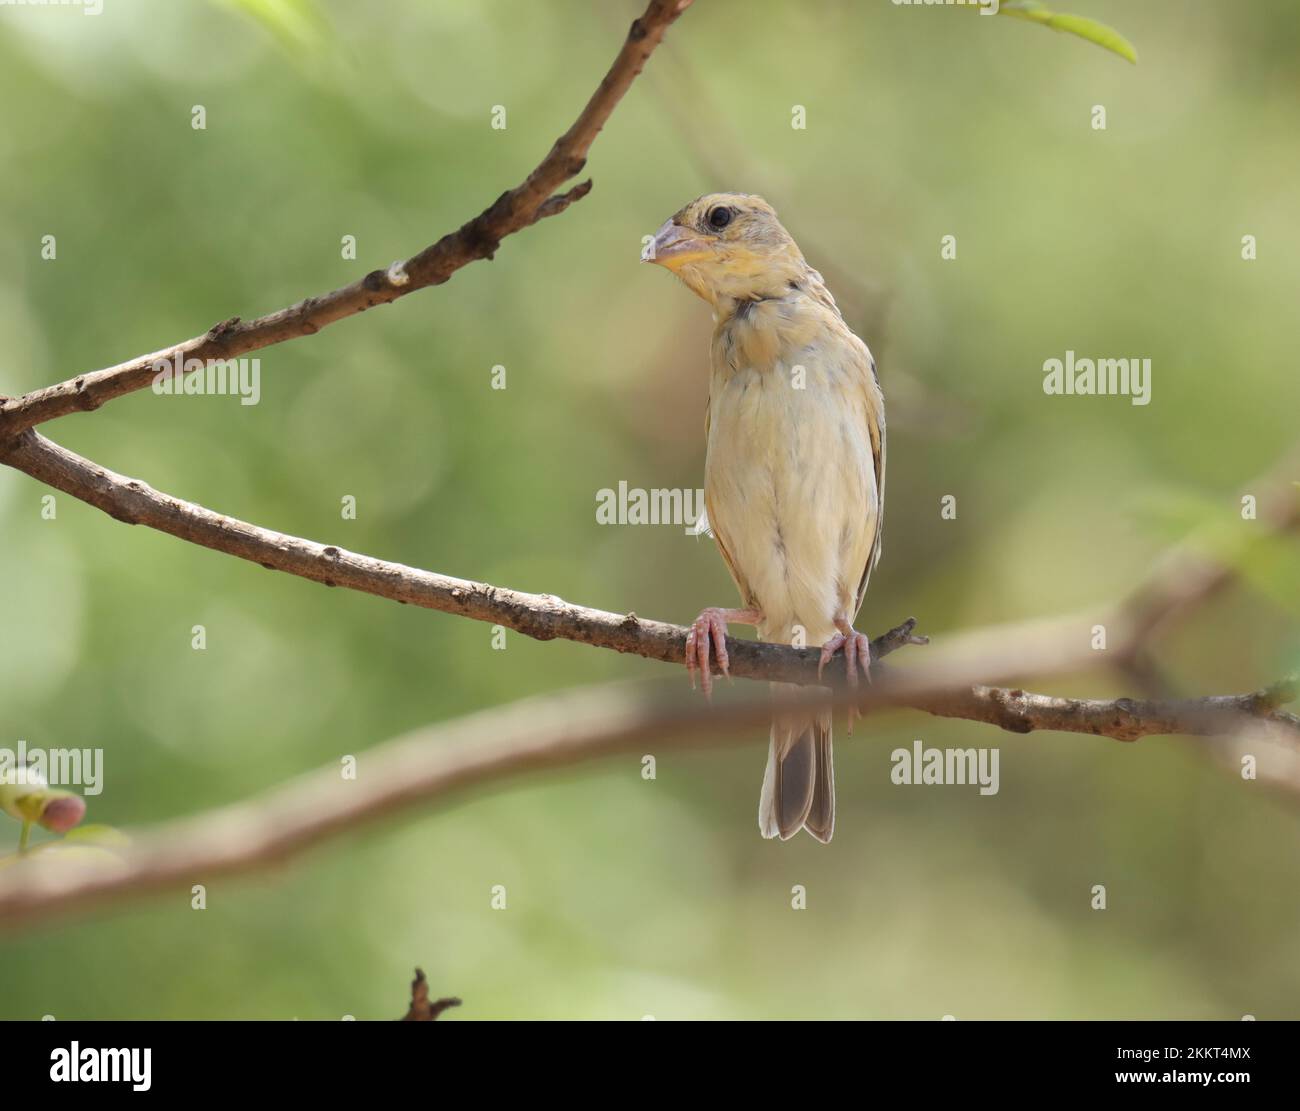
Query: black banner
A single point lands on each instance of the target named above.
(337, 1059)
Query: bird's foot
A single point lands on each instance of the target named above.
(857, 657)
(709, 630)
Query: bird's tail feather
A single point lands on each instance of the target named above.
(799, 784)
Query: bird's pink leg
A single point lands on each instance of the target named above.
(857, 656)
(710, 629)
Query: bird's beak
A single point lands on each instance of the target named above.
(673, 245)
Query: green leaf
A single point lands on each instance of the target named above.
(1106, 37)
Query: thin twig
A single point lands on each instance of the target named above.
(423, 1009)
(513, 211)
(1124, 719)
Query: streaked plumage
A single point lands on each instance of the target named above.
(795, 468)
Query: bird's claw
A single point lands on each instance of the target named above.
(857, 658)
(708, 631)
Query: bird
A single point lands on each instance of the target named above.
(794, 474)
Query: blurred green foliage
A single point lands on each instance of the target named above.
(629, 897)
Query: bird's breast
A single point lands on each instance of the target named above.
(790, 474)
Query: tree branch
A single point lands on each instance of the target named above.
(537, 734)
(513, 211)
(546, 617)
(540, 616)
(1124, 719)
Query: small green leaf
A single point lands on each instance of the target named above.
(1106, 37)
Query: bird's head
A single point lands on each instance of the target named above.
(728, 248)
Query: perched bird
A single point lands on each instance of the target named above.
(794, 477)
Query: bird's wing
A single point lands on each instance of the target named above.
(746, 595)
(874, 406)
(875, 410)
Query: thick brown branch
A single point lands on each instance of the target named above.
(478, 239)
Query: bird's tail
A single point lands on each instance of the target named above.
(799, 784)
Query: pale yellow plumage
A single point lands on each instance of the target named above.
(794, 473)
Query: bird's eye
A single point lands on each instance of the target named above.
(720, 217)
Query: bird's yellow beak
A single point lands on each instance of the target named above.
(674, 245)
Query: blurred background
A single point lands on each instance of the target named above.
(629, 897)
